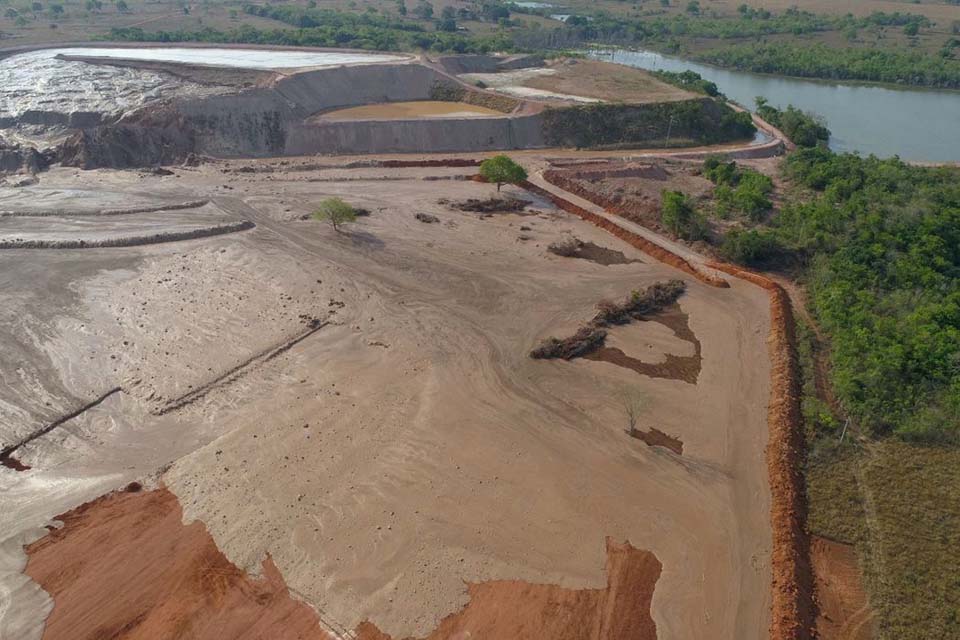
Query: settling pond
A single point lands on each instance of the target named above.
(915, 124)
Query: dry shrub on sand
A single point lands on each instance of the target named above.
(591, 336)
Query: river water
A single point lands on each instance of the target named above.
(915, 124)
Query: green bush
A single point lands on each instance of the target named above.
(678, 215)
(752, 248)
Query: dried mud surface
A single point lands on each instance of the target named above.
(407, 450)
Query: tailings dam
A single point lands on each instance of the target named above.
(144, 106)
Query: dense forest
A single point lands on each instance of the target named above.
(330, 29)
(879, 242)
(818, 61)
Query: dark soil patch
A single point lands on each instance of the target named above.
(590, 337)
(12, 463)
(656, 438)
(684, 368)
(490, 205)
(576, 248)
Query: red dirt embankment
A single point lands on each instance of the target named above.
(653, 249)
(793, 611)
(523, 611)
(124, 567)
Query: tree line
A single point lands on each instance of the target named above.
(819, 61)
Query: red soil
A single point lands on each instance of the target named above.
(124, 567)
(515, 610)
(845, 612)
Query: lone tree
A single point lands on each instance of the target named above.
(502, 170)
(633, 403)
(336, 212)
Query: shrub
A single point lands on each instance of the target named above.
(751, 248)
(679, 216)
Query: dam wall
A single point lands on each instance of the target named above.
(260, 121)
(350, 86)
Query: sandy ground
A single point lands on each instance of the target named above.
(361, 407)
(581, 81)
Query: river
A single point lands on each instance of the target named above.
(915, 124)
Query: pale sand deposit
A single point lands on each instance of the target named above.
(411, 110)
(409, 446)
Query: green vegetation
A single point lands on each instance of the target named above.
(739, 189)
(336, 212)
(803, 129)
(685, 123)
(689, 80)
(324, 28)
(680, 217)
(502, 170)
(819, 61)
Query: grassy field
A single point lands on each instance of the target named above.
(898, 504)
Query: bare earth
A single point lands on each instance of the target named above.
(359, 407)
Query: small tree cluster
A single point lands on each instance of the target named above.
(679, 216)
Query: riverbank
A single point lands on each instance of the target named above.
(915, 124)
